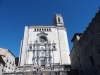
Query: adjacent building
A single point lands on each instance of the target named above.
(2, 63)
(85, 54)
(8, 60)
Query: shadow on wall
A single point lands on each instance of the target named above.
(16, 61)
(73, 72)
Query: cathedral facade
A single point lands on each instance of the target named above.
(45, 45)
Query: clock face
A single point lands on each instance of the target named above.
(42, 39)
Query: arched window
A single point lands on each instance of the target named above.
(35, 29)
(58, 19)
(47, 29)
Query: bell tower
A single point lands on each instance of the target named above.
(58, 20)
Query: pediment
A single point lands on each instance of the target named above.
(42, 33)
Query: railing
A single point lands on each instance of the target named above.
(42, 56)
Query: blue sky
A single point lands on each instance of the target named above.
(16, 14)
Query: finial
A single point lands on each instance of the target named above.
(57, 13)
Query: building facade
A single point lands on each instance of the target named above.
(85, 54)
(9, 60)
(45, 45)
(2, 63)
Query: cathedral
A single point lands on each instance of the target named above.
(45, 45)
(44, 50)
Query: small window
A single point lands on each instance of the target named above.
(30, 47)
(34, 29)
(91, 60)
(47, 29)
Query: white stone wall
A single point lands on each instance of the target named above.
(24, 47)
(56, 35)
(63, 46)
